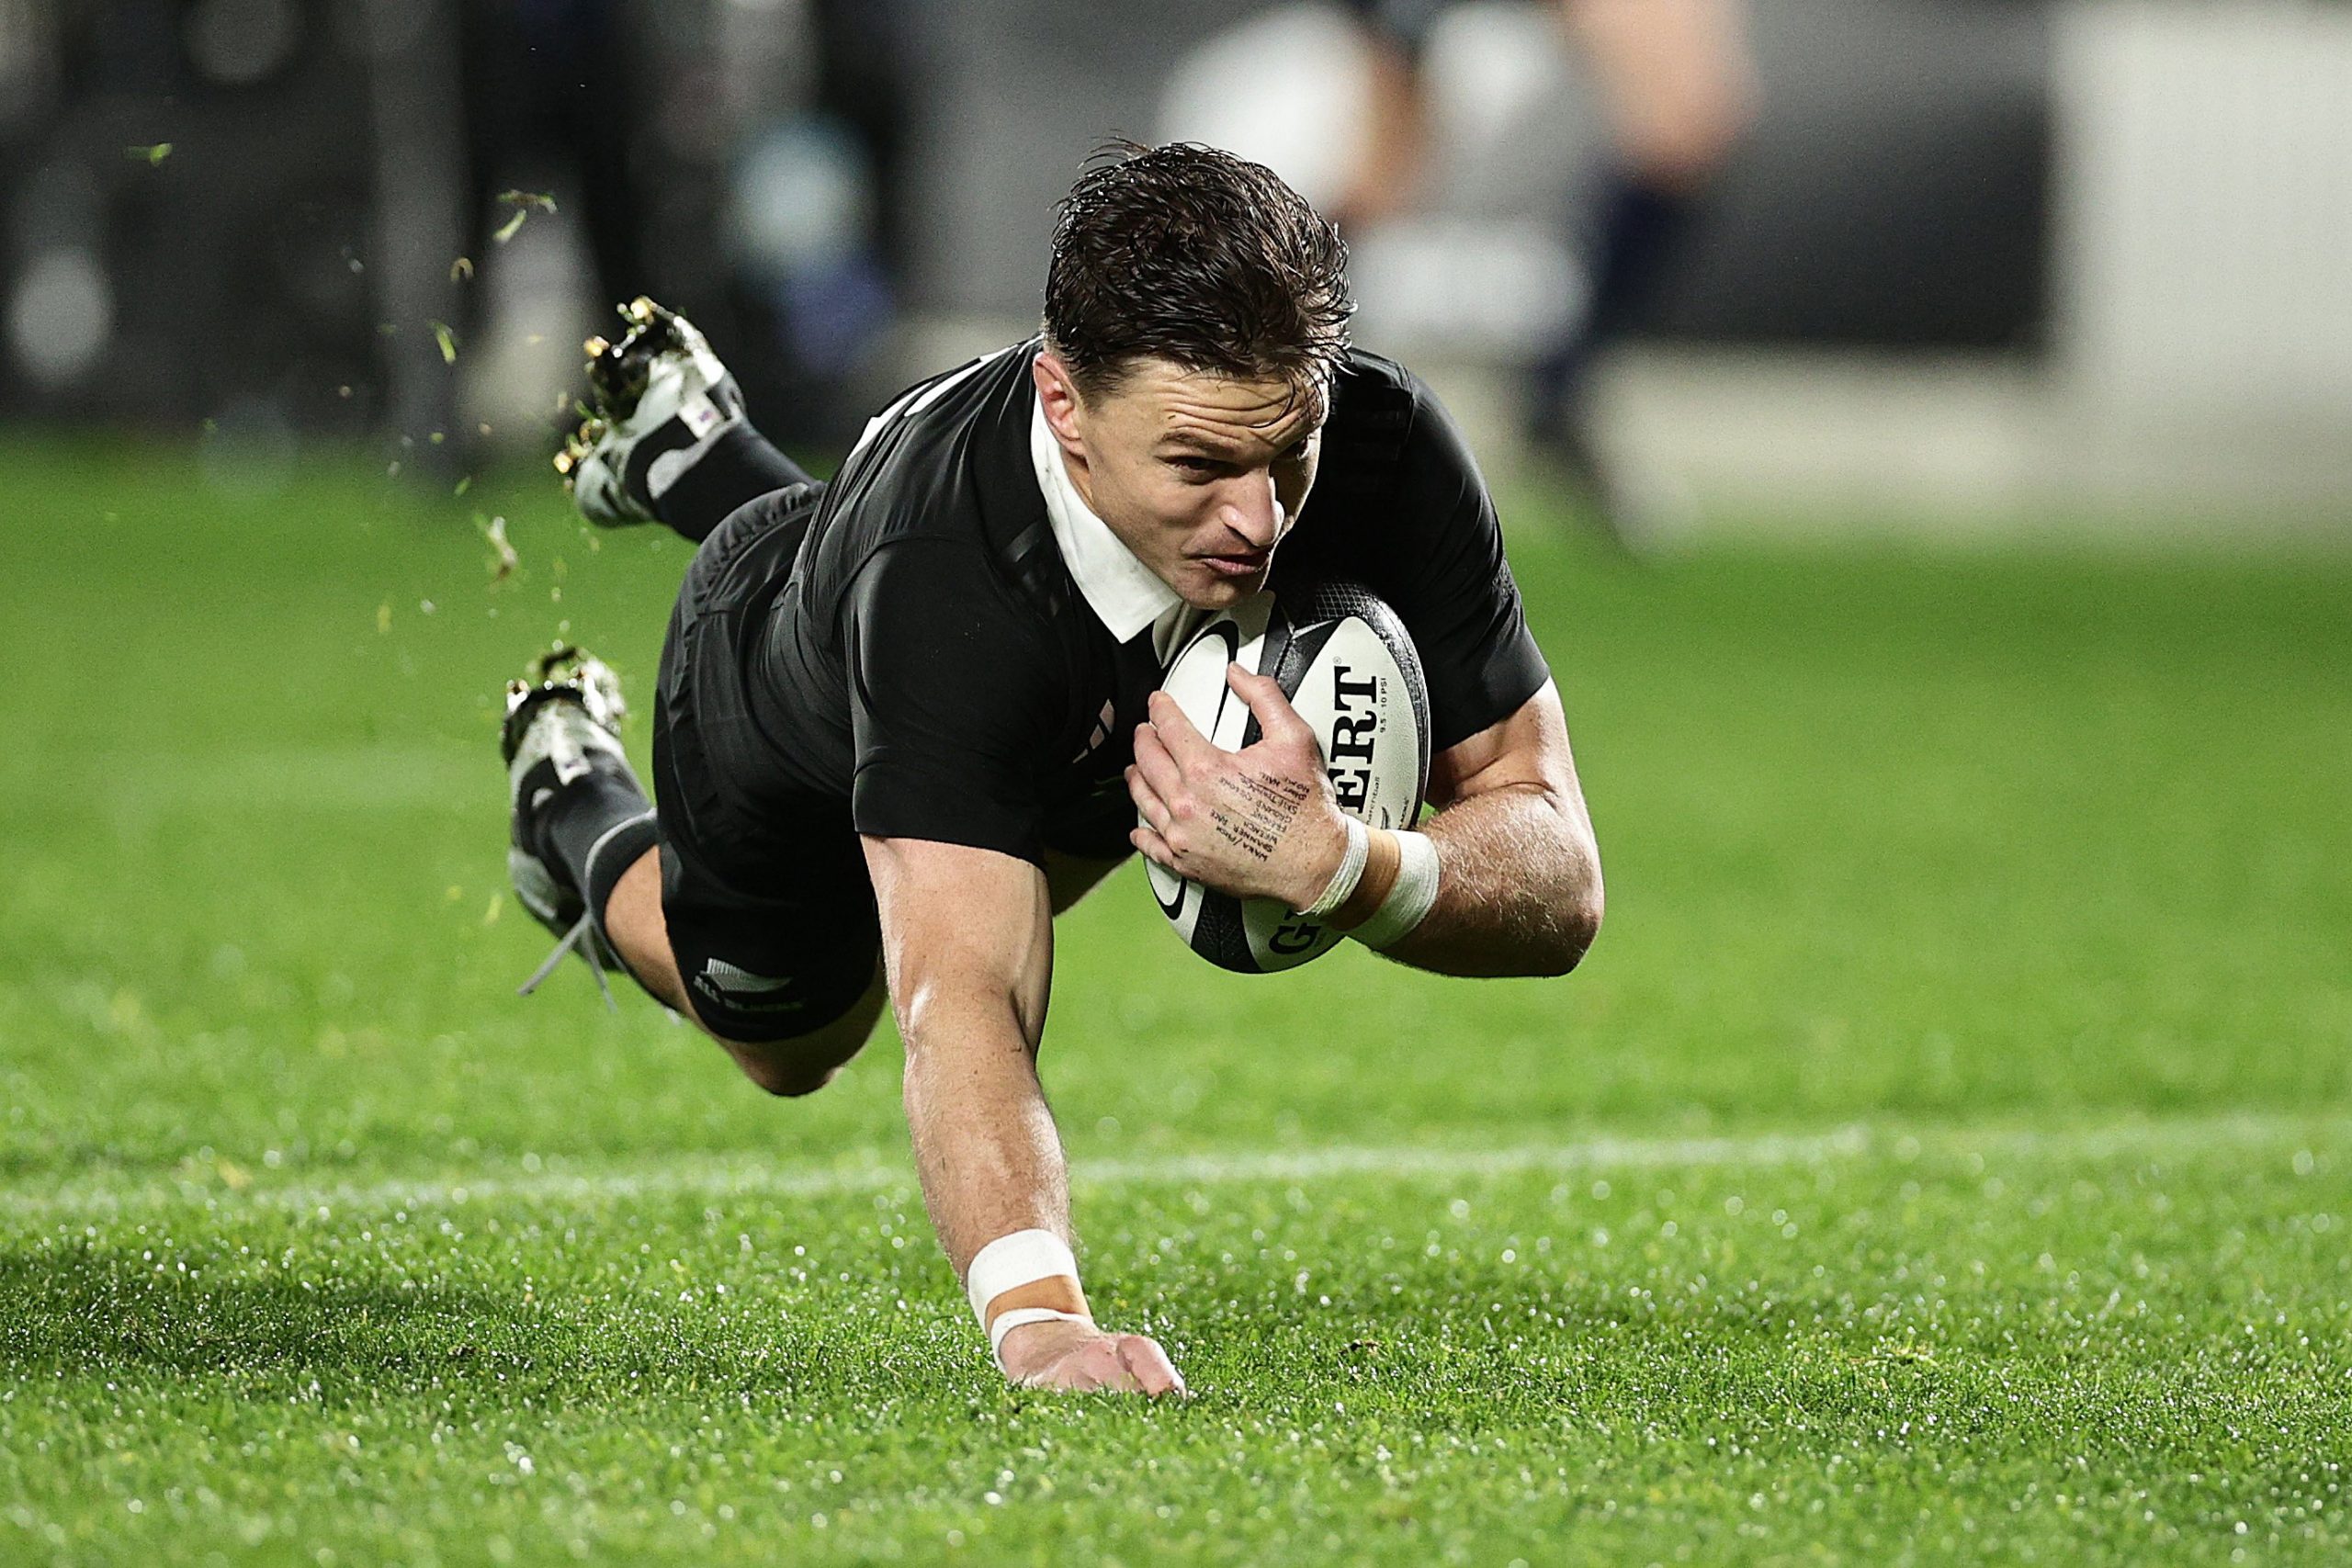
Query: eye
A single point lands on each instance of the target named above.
(1201, 467)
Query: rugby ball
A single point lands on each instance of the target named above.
(1345, 661)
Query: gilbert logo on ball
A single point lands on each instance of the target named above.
(1347, 665)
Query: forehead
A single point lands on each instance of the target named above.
(1167, 400)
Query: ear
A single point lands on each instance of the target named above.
(1058, 396)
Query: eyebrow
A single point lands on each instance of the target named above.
(1186, 440)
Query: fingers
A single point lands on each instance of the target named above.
(1155, 783)
(1158, 768)
(1114, 1363)
(1153, 1372)
(1148, 805)
(1170, 748)
(1277, 720)
(1107, 1370)
(1092, 1366)
(1154, 848)
(1078, 1358)
(1186, 744)
(1172, 737)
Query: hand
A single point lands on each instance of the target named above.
(1078, 1357)
(1258, 823)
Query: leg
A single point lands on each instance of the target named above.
(1675, 83)
(1678, 91)
(669, 438)
(766, 935)
(738, 467)
(1070, 878)
(576, 816)
(799, 1064)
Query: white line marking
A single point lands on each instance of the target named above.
(706, 1176)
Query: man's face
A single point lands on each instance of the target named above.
(1199, 476)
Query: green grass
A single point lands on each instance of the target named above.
(1946, 1154)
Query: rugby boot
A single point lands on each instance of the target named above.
(562, 723)
(658, 399)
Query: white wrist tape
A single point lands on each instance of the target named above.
(1343, 881)
(1006, 1322)
(1409, 898)
(1008, 1263)
(1012, 1261)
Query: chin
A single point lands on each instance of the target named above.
(1214, 591)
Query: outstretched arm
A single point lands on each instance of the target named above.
(968, 936)
(1518, 888)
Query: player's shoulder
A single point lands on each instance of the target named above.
(1384, 414)
(947, 458)
(1368, 377)
(966, 397)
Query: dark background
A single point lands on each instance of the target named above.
(330, 158)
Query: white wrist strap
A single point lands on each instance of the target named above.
(1343, 881)
(1409, 899)
(1010, 1262)
(1006, 1322)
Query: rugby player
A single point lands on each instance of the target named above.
(1675, 87)
(904, 717)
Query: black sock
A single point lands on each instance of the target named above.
(739, 466)
(1641, 222)
(593, 829)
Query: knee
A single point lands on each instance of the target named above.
(786, 1080)
(800, 1064)
(799, 1058)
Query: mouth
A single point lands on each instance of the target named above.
(1248, 565)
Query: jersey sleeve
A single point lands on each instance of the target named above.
(1457, 595)
(953, 698)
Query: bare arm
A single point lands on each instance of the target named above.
(1521, 886)
(968, 938)
(1520, 877)
(970, 996)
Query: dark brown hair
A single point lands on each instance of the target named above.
(1190, 254)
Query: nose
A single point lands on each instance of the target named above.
(1255, 513)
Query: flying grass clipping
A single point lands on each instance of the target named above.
(523, 202)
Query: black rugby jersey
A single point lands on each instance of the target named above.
(934, 661)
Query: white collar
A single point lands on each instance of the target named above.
(1124, 594)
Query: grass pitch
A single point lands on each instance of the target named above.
(1946, 1154)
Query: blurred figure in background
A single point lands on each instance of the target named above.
(734, 157)
(810, 232)
(552, 89)
(1677, 91)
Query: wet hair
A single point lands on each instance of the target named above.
(1190, 254)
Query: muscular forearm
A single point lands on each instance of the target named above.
(986, 1150)
(991, 1168)
(1518, 890)
(969, 935)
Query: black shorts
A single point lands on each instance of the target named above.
(770, 911)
